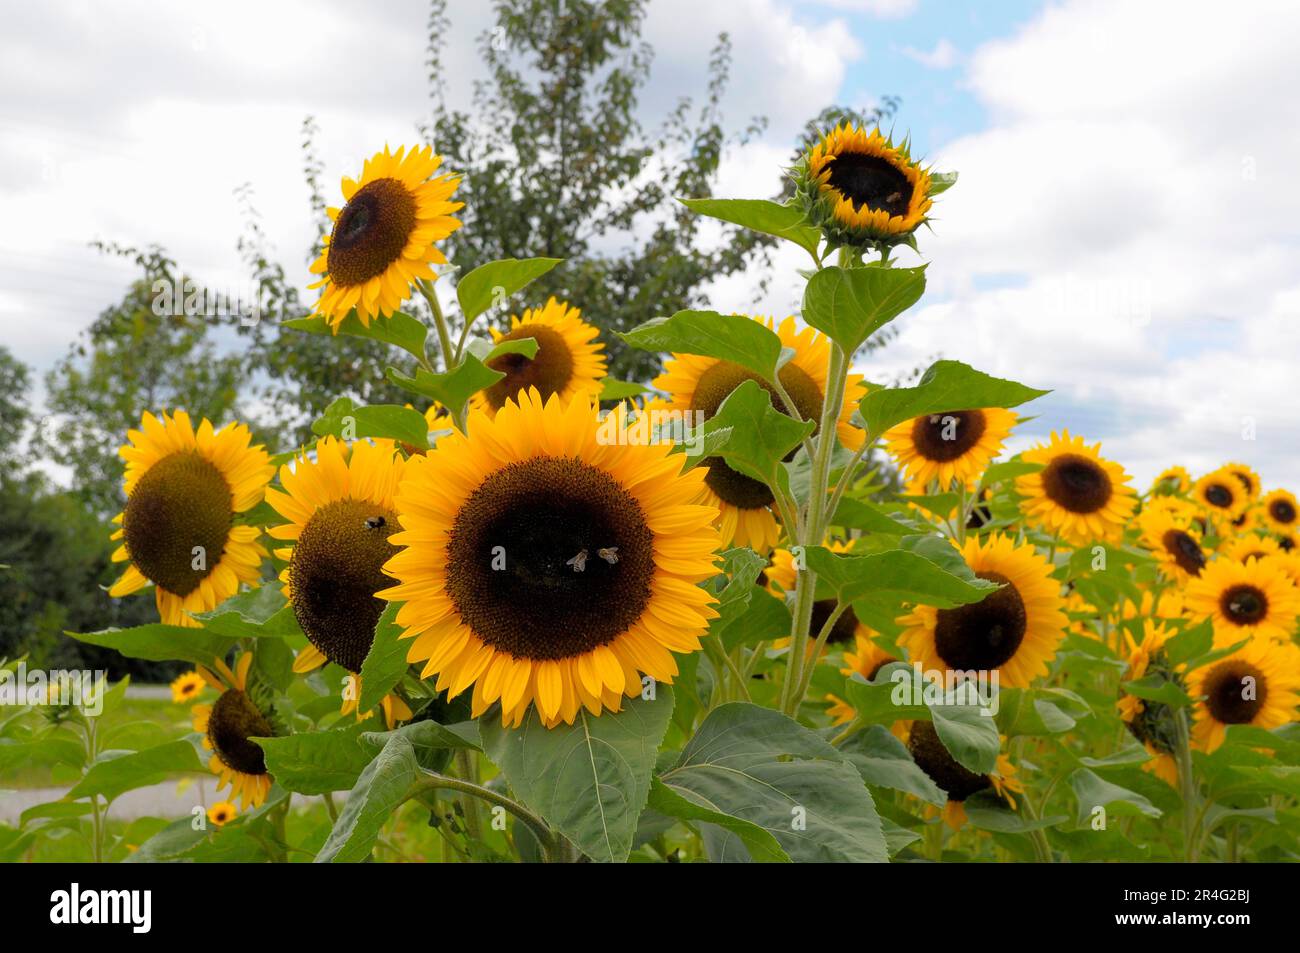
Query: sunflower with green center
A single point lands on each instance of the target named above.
(222, 813)
(1015, 629)
(383, 238)
(1244, 599)
(782, 576)
(954, 779)
(1259, 684)
(542, 566)
(1248, 479)
(1175, 542)
(696, 383)
(1151, 723)
(954, 446)
(1280, 512)
(184, 488)
(1172, 481)
(567, 363)
(227, 725)
(1222, 494)
(186, 687)
(1078, 495)
(341, 513)
(861, 189)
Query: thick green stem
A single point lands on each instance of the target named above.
(1187, 785)
(553, 847)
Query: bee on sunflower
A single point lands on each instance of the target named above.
(339, 504)
(383, 237)
(545, 568)
(1222, 494)
(1256, 597)
(1258, 684)
(1078, 495)
(1014, 630)
(1280, 512)
(184, 489)
(955, 446)
(228, 725)
(863, 190)
(568, 361)
(954, 779)
(1151, 723)
(700, 384)
(1175, 542)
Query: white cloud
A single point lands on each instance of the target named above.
(884, 9)
(943, 56)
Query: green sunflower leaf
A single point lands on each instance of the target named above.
(259, 613)
(399, 329)
(900, 575)
(946, 386)
(385, 663)
(760, 436)
(1157, 688)
(111, 776)
(681, 803)
(728, 337)
(316, 762)
(158, 642)
(968, 731)
(851, 304)
(760, 215)
(589, 780)
(760, 766)
(383, 786)
(487, 351)
(612, 389)
(1092, 792)
(449, 388)
(344, 420)
(496, 281)
(883, 760)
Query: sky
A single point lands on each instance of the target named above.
(1123, 231)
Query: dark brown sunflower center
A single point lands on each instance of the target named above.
(1235, 691)
(844, 627)
(714, 386)
(933, 758)
(1244, 604)
(1282, 511)
(334, 574)
(233, 721)
(549, 558)
(948, 436)
(549, 370)
(1076, 483)
(1217, 494)
(1183, 547)
(370, 232)
(871, 181)
(983, 635)
(177, 520)
(875, 669)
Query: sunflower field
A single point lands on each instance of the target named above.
(761, 607)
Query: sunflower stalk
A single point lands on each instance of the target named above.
(553, 846)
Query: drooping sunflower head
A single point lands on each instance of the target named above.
(567, 362)
(957, 781)
(701, 384)
(542, 566)
(1247, 477)
(1172, 481)
(186, 687)
(1078, 495)
(1256, 597)
(781, 579)
(956, 445)
(1175, 542)
(1015, 629)
(1221, 493)
(229, 724)
(862, 189)
(1152, 723)
(1259, 684)
(1281, 512)
(341, 516)
(383, 237)
(184, 489)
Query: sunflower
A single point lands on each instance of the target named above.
(867, 661)
(1248, 478)
(383, 237)
(183, 491)
(1168, 605)
(341, 515)
(1280, 512)
(862, 189)
(781, 578)
(1252, 547)
(696, 383)
(954, 779)
(568, 361)
(186, 687)
(540, 564)
(955, 445)
(222, 813)
(1077, 495)
(1014, 629)
(1151, 723)
(228, 724)
(1221, 493)
(1243, 599)
(1259, 684)
(1172, 481)
(1176, 544)
(1247, 521)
